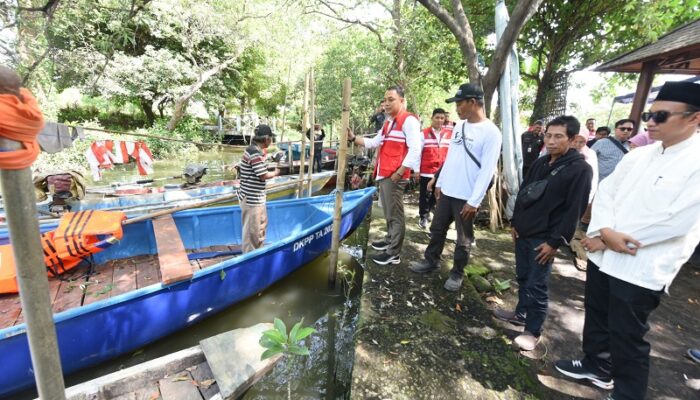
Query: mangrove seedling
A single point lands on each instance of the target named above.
(278, 341)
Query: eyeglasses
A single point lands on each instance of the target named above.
(625, 129)
(662, 116)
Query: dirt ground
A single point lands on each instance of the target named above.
(418, 341)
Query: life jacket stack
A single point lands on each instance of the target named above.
(79, 234)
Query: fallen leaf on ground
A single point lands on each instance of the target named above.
(458, 307)
(206, 383)
(405, 341)
(494, 299)
(180, 378)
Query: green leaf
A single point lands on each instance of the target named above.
(304, 332)
(271, 352)
(275, 336)
(267, 342)
(298, 350)
(294, 331)
(281, 328)
(222, 274)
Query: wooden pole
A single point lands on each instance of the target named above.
(304, 115)
(20, 210)
(340, 183)
(284, 110)
(642, 93)
(312, 123)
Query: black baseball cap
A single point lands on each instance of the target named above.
(263, 130)
(467, 91)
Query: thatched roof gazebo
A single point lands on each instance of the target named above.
(677, 52)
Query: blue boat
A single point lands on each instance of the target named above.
(299, 231)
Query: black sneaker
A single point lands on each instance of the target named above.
(509, 316)
(380, 245)
(575, 369)
(385, 259)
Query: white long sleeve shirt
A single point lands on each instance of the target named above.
(460, 177)
(414, 141)
(654, 196)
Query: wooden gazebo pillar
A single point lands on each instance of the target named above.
(642, 94)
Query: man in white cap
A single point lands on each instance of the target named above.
(634, 253)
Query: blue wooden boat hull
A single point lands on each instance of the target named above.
(100, 331)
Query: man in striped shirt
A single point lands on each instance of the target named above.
(253, 176)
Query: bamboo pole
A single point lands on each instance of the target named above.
(312, 123)
(20, 210)
(304, 116)
(340, 183)
(286, 92)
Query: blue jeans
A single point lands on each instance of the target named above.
(533, 295)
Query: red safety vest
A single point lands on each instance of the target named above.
(434, 153)
(393, 149)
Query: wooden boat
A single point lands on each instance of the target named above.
(124, 304)
(219, 368)
(281, 187)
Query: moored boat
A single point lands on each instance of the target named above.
(130, 306)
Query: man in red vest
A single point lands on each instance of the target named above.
(399, 144)
(436, 141)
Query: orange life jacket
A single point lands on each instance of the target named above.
(393, 149)
(79, 234)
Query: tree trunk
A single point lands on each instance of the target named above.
(545, 88)
(182, 101)
(147, 107)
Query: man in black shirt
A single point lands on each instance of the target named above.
(378, 118)
(319, 135)
(544, 220)
(532, 142)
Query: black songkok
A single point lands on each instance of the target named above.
(681, 92)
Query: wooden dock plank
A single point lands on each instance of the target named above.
(124, 278)
(234, 358)
(147, 271)
(70, 294)
(10, 310)
(179, 387)
(100, 284)
(205, 380)
(172, 257)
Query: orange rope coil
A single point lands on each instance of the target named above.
(20, 121)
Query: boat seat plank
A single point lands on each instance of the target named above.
(202, 375)
(70, 294)
(124, 278)
(100, 284)
(10, 310)
(172, 257)
(179, 387)
(234, 359)
(147, 271)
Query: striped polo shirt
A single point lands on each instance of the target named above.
(252, 167)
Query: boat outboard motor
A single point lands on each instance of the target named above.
(193, 173)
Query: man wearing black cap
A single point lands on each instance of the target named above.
(462, 182)
(634, 253)
(251, 194)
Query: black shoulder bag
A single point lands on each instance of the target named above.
(473, 157)
(534, 191)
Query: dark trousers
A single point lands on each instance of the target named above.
(614, 329)
(391, 196)
(447, 211)
(426, 200)
(533, 281)
(317, 166)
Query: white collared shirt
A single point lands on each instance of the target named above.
(654, 196)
